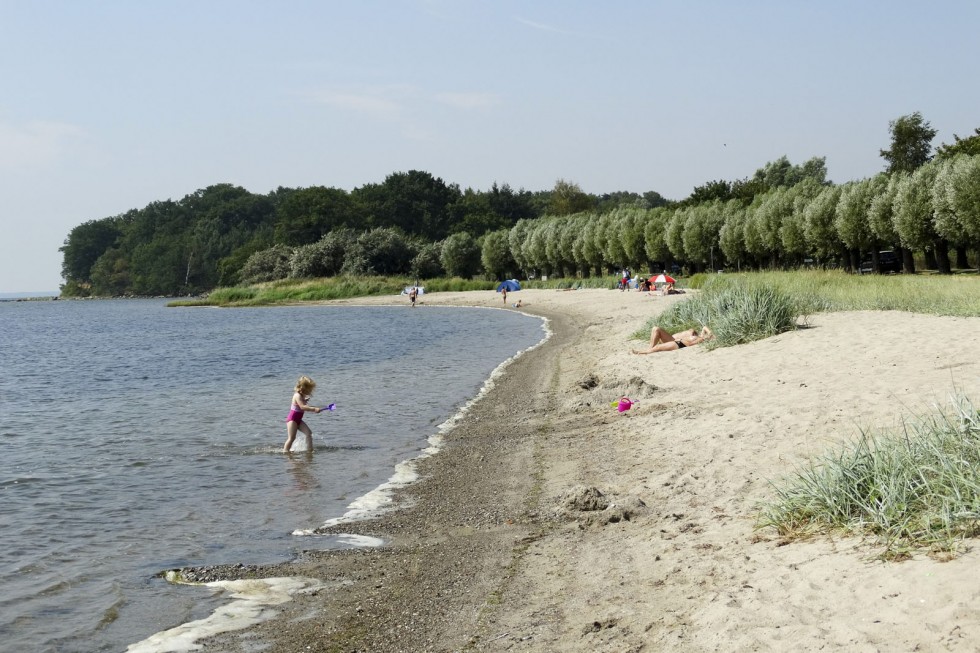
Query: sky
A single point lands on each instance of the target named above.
(109, 105)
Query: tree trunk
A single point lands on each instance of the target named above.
(942, 256)
(961, 261)
(908, 260)
(930, 259)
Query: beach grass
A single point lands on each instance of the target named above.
(914, 489)
(748, 306)
(816, 291)
(736, 313)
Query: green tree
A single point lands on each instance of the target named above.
(701, 231)
(818, 225)
(567, 198)
(85, 244)
(710, 191)
(851, 220)
(460, 255)
(956, 200)
(386, 250)
(426, 263)
(782, 173)
(495, 255)
(518, 238)
(911, 143)
(969, 145)
(655, 235)
(110, 274)
(414, 201)
(731, 235)
(914, 215)
(306, 215)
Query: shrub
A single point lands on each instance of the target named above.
(737, 313)
(267, 265)
(916, 488)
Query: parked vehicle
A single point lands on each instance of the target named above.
(888, 261)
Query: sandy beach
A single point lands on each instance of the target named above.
(552, 522)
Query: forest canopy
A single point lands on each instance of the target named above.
(923, 206)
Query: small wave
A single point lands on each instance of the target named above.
(251, 598)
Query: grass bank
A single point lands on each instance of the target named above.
(290, 291)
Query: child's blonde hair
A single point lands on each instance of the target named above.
(305, 385)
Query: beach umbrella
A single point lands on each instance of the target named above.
(663, 278)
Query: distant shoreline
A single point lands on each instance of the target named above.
(29, 297)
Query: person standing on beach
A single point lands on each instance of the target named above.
(413, 295)
(294, 421)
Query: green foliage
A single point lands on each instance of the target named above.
(911, 143)
(969, 146)
(85, 244)
(495, 255)
(917, 488)
(913, 208)
(268, 264)
(426, 264)
(568, 198)
(460, 255)
(736, 312)
(308, 214)
(415, 202)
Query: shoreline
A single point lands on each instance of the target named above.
(502, 545)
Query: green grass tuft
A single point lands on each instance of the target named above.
(915, 489)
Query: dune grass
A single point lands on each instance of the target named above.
(736, 312)
(816, 291)
(915, 489)
(745, 307)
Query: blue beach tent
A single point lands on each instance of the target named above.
(510, 285)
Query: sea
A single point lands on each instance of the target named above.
(138, 438)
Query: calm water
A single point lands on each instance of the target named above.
(138, 438)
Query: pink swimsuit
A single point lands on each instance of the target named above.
(295, 414)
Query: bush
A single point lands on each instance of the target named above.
(916, 488)
(323, 258)
(737, 313)
(267, 264)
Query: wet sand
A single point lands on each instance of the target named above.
(551, 522)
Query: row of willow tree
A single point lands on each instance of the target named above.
(415, 224)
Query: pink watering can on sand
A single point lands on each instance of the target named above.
(624, 404)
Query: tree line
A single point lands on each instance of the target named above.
(417, 225)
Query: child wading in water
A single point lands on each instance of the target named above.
(294, 421)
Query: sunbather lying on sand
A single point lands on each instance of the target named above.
(660, 340)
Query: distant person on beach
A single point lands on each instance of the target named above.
(413, 295)
(661, 340)
(294, 421)
(504, 292)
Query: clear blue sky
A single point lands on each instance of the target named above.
(109, 105)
